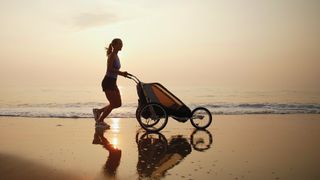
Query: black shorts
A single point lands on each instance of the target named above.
(109, 84)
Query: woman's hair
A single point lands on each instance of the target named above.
(111, 45)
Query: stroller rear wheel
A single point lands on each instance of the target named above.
(201, 118)
(152, 117)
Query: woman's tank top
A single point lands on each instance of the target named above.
(116, 65)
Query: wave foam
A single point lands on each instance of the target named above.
(84, 110)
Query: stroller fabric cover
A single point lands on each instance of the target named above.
(156, 93)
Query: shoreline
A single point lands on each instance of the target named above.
(123, 117)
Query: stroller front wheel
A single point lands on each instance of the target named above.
(149, 124)
(152, 117)
(201, 118)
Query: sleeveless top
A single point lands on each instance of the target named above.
(116, 65)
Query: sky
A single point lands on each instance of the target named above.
(271, 44)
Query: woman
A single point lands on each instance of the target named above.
(109, 83)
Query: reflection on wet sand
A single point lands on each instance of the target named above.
(201, 140)
(157, 154)
(114, 157)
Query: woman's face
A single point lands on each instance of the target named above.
(118, 45)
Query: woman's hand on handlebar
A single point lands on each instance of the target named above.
(124, 73)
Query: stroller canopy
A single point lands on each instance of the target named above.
(156, 93)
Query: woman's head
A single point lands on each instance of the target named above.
(115, 45)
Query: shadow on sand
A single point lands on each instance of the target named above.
(14, 167)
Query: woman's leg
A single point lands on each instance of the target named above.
(98, 112)
(101, 110)
(114, 99)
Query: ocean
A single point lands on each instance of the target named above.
(77, 102)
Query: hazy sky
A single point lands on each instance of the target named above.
(271, 44)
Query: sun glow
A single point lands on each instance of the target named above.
(115, 125)
(115, 129)
(115, 142)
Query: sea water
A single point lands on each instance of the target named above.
(77, 102)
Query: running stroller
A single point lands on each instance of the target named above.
(156, 104)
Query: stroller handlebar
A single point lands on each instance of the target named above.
(133, 77)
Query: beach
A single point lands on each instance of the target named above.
(233, 147)
(253, 65)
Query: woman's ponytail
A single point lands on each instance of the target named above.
(112, 44)
(109, 49)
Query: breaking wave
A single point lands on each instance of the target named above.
(84, 110)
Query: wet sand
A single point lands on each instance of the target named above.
(233, 147)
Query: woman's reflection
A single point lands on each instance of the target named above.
(157, 154)
(113, 160)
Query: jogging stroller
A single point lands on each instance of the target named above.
(156, 104)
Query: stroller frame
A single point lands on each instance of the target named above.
(156, 102)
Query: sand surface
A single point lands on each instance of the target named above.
(233, 147)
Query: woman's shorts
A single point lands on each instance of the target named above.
(109, 84)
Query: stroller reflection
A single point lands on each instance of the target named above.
(114, 157)
(157, 154)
